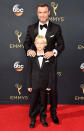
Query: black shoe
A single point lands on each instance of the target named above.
(32, 124)
(44, 123)
(55, 119)
(54, 116)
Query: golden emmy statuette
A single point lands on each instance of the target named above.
(19, 87)
(55, 6)
(19, 34)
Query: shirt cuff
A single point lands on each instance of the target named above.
(55, 52)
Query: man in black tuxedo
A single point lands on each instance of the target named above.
(55, 45)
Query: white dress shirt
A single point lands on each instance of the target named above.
(44, 30)
(40, 59)
(43, 33)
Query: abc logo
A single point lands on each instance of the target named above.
(82, 67)
(17, 11)
(18, 67)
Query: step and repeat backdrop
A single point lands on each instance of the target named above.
(15, 17)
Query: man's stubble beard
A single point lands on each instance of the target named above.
(43, 21)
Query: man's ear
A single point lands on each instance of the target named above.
(49, 13)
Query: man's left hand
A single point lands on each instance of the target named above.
(48, 54)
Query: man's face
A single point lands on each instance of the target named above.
(43, 14)
(40, 44)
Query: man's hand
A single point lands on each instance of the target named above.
(48, 54)
(48, 89)
(30, 89)
(31, 53)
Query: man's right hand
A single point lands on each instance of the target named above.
(48, 89)
(30, 89)
(31, 53)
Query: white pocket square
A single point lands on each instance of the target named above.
(47, 61)
(51, 36)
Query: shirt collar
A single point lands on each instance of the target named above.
(43, 24)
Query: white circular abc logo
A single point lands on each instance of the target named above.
(18, 67)
(17, 11)
(82, 66)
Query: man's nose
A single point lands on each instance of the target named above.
(42, 14)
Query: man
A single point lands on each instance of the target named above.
(55, 45)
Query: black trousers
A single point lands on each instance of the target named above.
(53, 85)
(38, 103)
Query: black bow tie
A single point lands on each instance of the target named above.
(41, 26)
(40, 55)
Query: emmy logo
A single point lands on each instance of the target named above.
(19, 87)
(55, 6)
(80, 47)
(82, 87)
(19, 34)
(59, 74)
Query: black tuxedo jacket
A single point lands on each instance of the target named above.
(38, 77)
(53, 35)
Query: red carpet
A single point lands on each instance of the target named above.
(15, 118)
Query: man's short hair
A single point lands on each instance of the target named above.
(43, 5)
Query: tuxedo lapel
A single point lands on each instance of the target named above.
(37, 62)
(43, 62)
(48, 33)
(36, 29)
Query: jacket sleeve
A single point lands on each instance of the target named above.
(29, 72)
(28, 40)
(59, 45)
